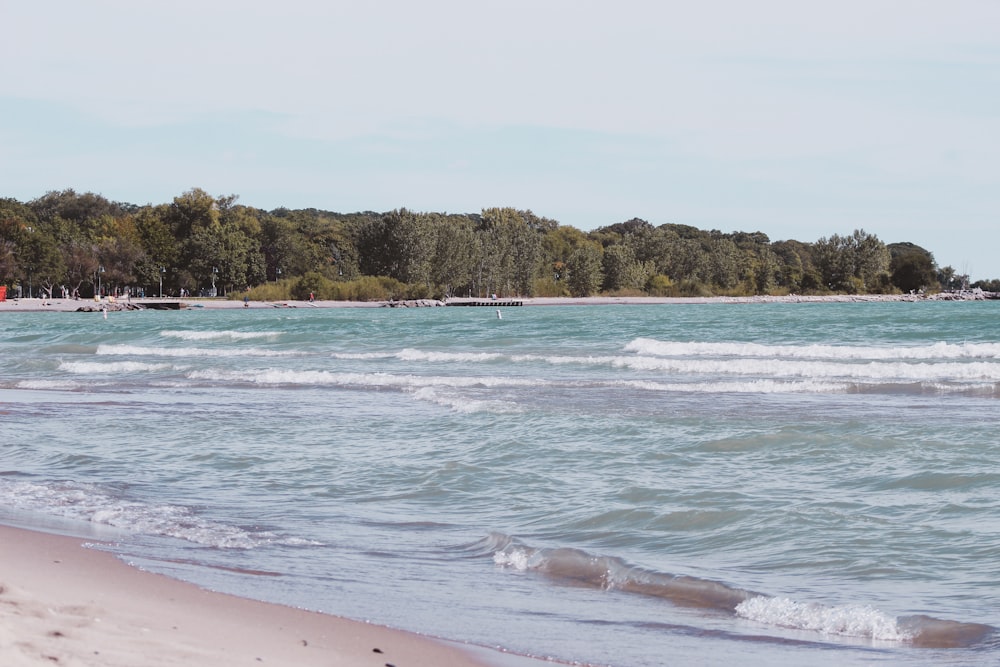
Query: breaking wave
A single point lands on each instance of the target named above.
(580, 568)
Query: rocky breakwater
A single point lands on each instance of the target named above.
(113, 306)
(414, 303)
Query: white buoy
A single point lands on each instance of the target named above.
(499, 315)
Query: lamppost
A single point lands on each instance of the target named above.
(162, 271)
(100, 270)
(215, 272)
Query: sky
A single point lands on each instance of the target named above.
(797, 119)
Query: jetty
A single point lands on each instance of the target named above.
(490, 303)
(163, 305)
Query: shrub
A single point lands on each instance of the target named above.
(661, 285)
(312, 282)
(549, 287)
(280, 291)
(694, 288)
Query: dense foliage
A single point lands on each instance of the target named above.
(212, 245)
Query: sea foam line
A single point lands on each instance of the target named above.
(139, 351)
(843, 367)
(92, 367)
(90, 503)
(220, 335)
(940, 350)
(277, 376)
(778, 368)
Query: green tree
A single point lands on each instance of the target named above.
(584, 268)
(851, 263)
(510, 251)
(15, 221)
(455, 254)
(40, 257)
(161, 251)
(911, 267)
(724, 263)
(622, 270)
(190, 211)
(401, 244)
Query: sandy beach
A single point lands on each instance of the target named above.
(63, 604)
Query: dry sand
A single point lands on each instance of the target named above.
(61, 604)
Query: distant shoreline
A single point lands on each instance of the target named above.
(70, 305)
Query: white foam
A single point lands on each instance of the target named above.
(61, 385)
(277, 376)
(463, 404)
(781, 368)
(362, 356)
(516, 558)
(934, 351)
(744, 387)
(461, 357)
(86, 502)
(844, 620)
(138, 351)
(220, 335)
(96, 367)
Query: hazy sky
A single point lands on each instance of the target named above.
(798, 119)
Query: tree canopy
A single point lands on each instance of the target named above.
(205, 244)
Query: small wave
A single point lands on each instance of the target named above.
(138, 351)
(220, 335)
(362, 356)
(86, 502)
(783, 368)
(465, 405)
(934, 351)
(611, 573)
(277, 376)
(461, 357)
(846, 620)
(864, 622)
(92, 367)
(747, 387)
(59, 385)
(578, 567)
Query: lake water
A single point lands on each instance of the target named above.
(777, 484)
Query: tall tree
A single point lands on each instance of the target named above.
(912, 268)
(455, 254)
(584, 268)
(622, 271)
(511, 251)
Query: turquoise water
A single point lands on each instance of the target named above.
(621, 485)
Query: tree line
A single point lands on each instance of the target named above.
(212, 245)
